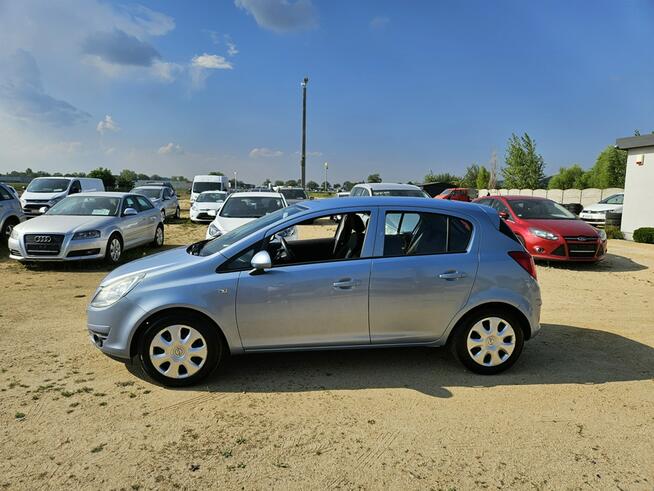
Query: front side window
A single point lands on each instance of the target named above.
(419, 233)
(130, 202)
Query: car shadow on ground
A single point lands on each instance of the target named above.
(611, 262)
(559, 355)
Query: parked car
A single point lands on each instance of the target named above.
(547, 230)
(88, 226)
(596, 214)
(420, 273)
(44, 192)
(292, 195)
(458, 194)
(343, 194)
(208, 183)
(241, 208)
(163, 198)
(207, 205)
(388, 189)
(11, 213)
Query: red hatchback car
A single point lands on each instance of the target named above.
(547, 230)
(457, 194)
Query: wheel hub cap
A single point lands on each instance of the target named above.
(491, 341)
(178, 351)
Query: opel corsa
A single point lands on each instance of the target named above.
(393, 272)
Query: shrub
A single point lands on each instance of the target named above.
(644, 234)
(613, 233)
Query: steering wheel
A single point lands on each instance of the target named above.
(288, 255)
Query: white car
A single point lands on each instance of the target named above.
(242, 208)
(596, 214)
(208, 183)
(207, 205)
(388, 189)
(43, 193)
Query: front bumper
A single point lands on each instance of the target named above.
(70, 250)
(111, 329)
(200, 216)
(567, 250)
(593, 218)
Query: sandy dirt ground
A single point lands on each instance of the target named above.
(576, 412)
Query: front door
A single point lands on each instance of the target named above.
(423, 278)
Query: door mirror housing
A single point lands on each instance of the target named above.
(260, 262)
(129, 212)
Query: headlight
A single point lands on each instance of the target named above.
(14, 234)
(88, 234)
(214, 231)
(602, 234)
(193, 207)
(543, 234)
(114, 291)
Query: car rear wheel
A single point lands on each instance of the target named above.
(114, 249)
(489, 341)
(158, 236)
(178, 350)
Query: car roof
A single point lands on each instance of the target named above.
(255, 194)
(151, 186)
(212, 191)
(106, 194)
(375, 186)
(390, 201)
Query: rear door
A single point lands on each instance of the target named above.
(424, 267)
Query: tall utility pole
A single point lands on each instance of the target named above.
(303, 157)
(326, 167)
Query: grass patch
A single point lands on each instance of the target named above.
(19, 415)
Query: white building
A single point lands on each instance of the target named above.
(638, 210)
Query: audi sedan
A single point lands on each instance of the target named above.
(547, 230)
(393, 272)
(88, 226)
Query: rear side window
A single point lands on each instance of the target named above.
(417, 233)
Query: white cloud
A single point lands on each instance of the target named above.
(231, 48)
(379, 23)
(213, 62)
(170, 149)
(166, 71)
(107, 125)
(265, 153)
(280, 15)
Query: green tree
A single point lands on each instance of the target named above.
(107, 177)
(291, 183)
(609, 169)
(278, 182)
(126, 179)
(142, 177)
(524, 166)
(216, 173)
(374, 178)
(444, 177)
(313, 185)
(572, 177)
(483, 178)
(348, 185)
(337, 185)
(469, 179)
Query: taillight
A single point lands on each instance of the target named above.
(525, 260)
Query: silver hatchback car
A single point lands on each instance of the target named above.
(393, 272)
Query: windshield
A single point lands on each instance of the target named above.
(199, 187)
(616, 199)
(539, 209)
(147, 192)
(48, 185)
(293, 193)
(87, 206)
(414, 193)
(250, 206)
(219, 243)
(212, 197)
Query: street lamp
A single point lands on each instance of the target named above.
(326, 167)
(303, 157)
(234, 180)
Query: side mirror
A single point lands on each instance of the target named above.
(504, 215)
(261, 261)
(129, 212)
(43, 209)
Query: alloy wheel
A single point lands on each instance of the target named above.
(158, 236)
(115, 249)
(491, 341)
(178, 351)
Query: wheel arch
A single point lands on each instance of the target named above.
(133, 345)
(524, 321)
(9, 219)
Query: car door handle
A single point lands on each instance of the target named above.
(344, 284)
(451, 275)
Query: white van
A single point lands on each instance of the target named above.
(46, 191)
(208, 183)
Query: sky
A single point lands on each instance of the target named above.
(397, 88)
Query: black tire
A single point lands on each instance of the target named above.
(8, 226)
(178, 213)
(459, 341)
(216, 350)
(157, 242)
(109, 255)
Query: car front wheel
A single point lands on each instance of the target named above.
(178, 350)
(488, 341)
(114, 249)
(158, 236)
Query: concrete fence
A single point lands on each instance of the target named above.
(584, 196)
